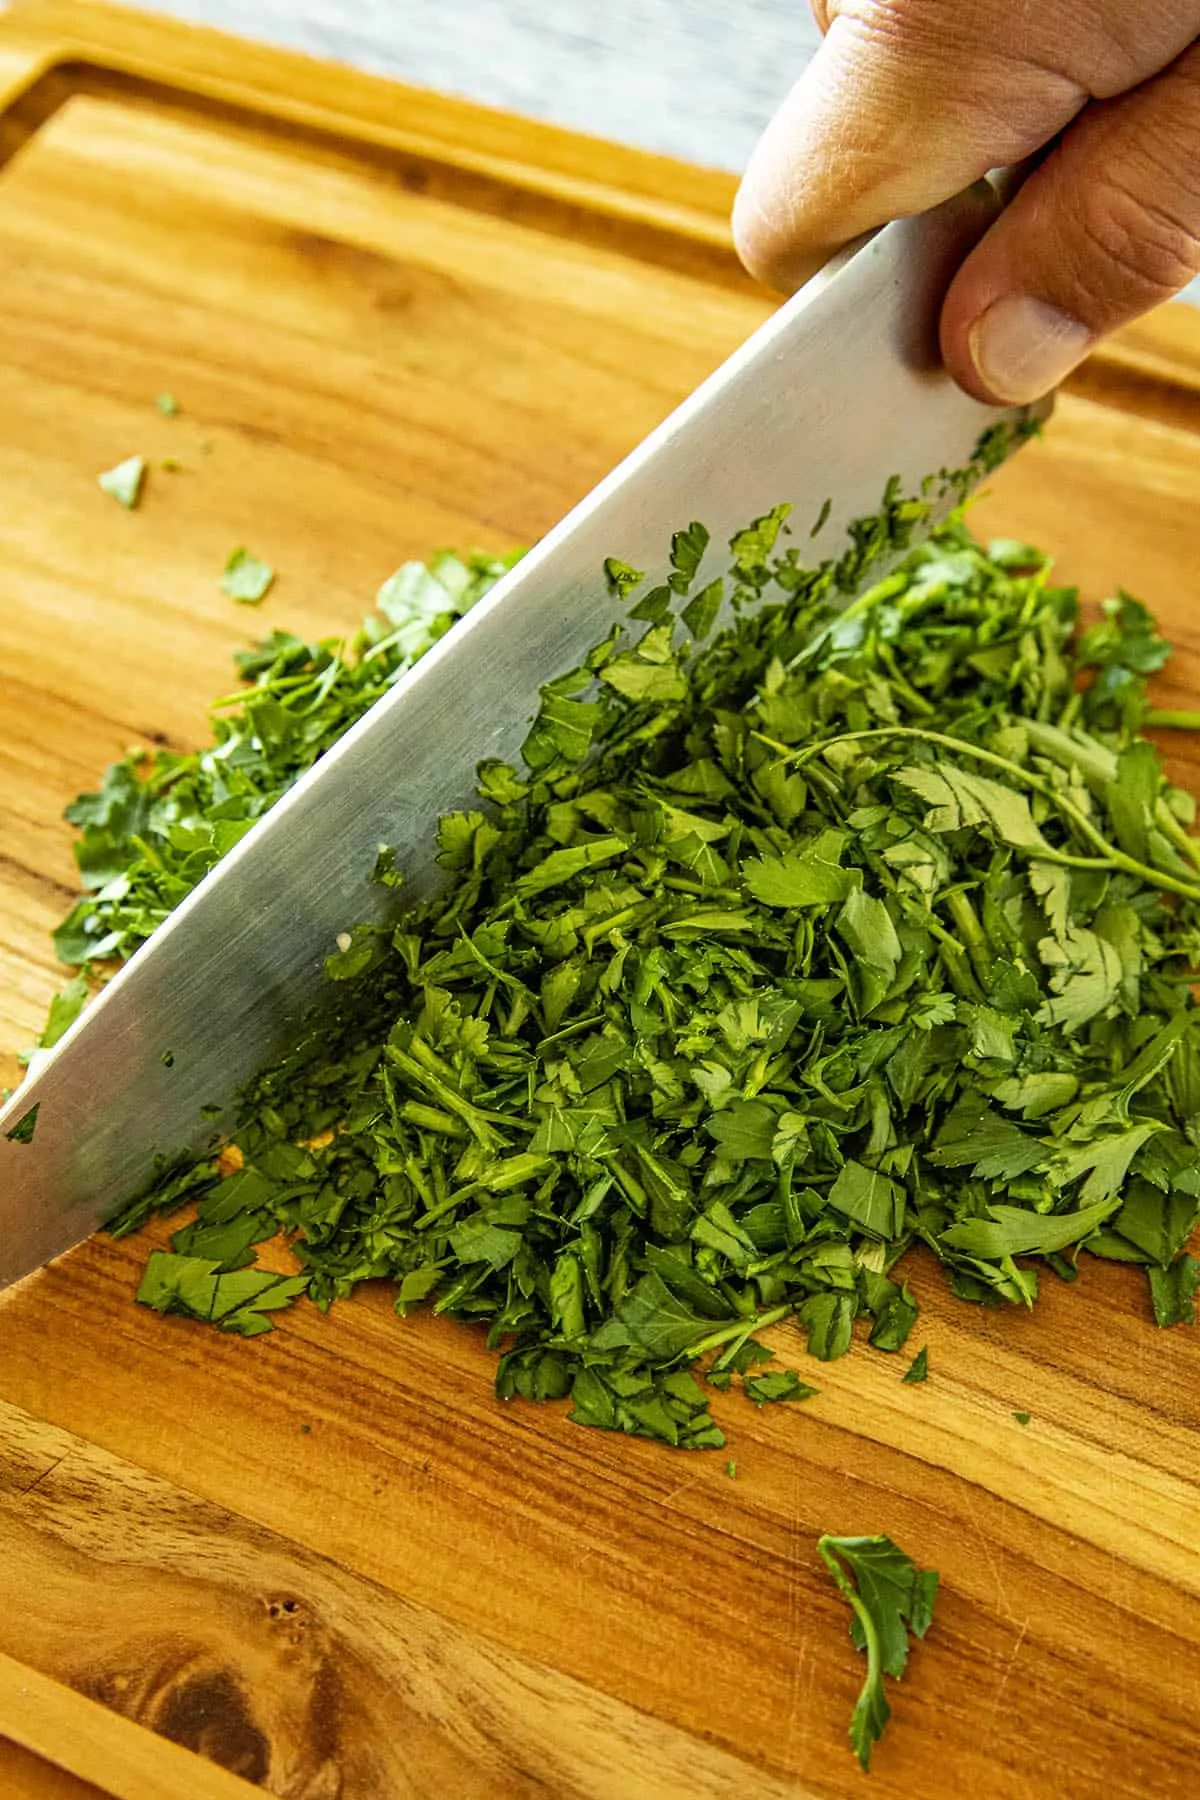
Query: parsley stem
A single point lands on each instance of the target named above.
(1111, 854)
(955, 962)
(963, 914)
(1167, 823)
(1171, 719)
(740, 1328)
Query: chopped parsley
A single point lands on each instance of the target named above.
(125, 482)
(22, 1132)
(830, 934)
(158, 824)
(246, 579)
(797, 941)
(778, 1384)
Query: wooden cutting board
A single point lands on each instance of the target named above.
(328, 1560)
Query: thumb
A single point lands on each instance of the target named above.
(902, 107)
(1105, 228)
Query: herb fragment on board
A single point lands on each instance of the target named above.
(918, 1368)
(778, 1384)
(1173, 1291)
(1022, 1418)
(125, 482)
(22, 1132)
(246, 579)
(167, 405)
(890, 1599)
(238, 1300)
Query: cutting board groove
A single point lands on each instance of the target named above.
(330, 1560)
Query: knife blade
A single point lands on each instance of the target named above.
(841, 389)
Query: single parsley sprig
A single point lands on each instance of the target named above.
(889, 1597)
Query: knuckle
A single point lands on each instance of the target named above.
(1142, 245)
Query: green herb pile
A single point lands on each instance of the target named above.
(158, 825)
(797, 943)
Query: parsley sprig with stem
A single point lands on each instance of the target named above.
(1111, 855)
(889, 1597)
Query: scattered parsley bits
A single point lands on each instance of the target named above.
(167, 405)
(125, 482)
(239, 1300)
(731, 1470)
(246, 579)
(1022, 1418)
(890, 1598)
(157, 826)
(22, 1132)
(918, 1369)
(779, 1384)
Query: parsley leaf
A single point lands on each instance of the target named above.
(246, 579)
(239, 1301)
(1173, 1291)
(889, 1597)
(125, 482)
(781, 1384)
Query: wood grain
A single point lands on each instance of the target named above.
(281, 1667)
(394, 324)
(30, 1777)
(97, 1748)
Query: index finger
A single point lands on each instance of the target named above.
(888, 120)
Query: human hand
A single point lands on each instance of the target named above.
(907, 101)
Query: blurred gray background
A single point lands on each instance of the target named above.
(694, 78)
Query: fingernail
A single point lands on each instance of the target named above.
(1022, 347)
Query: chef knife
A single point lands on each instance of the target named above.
(840, 390)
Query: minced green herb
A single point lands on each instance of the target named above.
(159, 824)
(247, 579)
(790, 948)
(25, 1127)
(777, 1384)
(918, 1368)
(125, 482)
